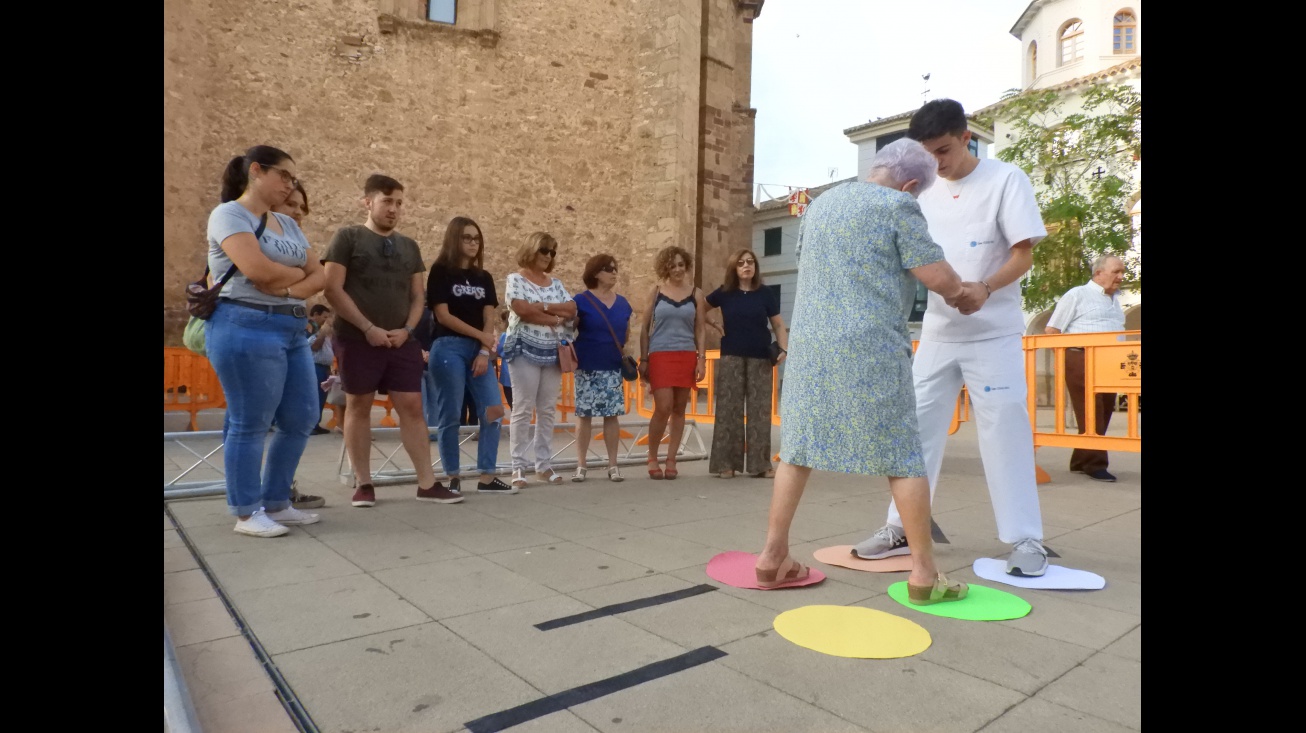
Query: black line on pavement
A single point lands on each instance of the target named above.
(617, 608)
(594, 690)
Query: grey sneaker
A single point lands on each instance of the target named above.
(1028, 559)
(888, 541)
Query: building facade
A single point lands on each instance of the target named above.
(620, 126)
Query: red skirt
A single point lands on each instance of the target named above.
(672, 369)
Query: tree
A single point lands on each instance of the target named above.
(1082, 166)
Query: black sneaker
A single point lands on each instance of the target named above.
(456, 484)
(1102, 475)
(495, 487)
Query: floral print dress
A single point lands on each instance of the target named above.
(847, 403)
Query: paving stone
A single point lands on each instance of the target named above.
(1105, 686)
(1129, 646)
(457, 587)
(323, 611)
(422, 678)
(651, 549)
(381, 550)
(1039, 715)
(186, 586)
(194, 622)
(178, 559)
(567, 566)
(267, 563)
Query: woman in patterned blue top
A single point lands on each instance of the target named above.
(848, 404)
(541, 308)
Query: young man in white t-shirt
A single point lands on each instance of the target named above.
(984, 215)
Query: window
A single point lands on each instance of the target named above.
(772, 243)
(442, 11)
(1033, 61)
(973, 146)
(1123, 35)
(883, 140)
(916, 314)
(1071, 42)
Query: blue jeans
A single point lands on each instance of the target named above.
(429, 408)
(266, 370)
(451, 369)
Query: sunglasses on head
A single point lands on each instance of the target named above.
(549, 252)
(609, 268)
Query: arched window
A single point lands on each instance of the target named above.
(1124, 35)
(1071, 42)
(1033, 60)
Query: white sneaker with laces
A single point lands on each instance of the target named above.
(1028, 559)
(258, 525)
(290, 516)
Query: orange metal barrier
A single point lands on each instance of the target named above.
(1113, 362)
(183, 369)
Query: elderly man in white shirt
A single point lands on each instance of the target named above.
(1090, 308)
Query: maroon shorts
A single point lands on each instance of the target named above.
(365, 368)
(672, 369)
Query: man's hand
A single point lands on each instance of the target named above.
(397, 337)
(969, 299)
(377, 336)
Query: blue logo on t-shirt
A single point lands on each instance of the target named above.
(974, 244)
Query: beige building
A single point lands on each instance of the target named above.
(621, 126)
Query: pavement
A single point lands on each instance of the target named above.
(415, 616)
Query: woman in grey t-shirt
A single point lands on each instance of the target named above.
(255, 339)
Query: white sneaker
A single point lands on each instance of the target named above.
(291, 515)
(258, 525)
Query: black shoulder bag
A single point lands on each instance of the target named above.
(629, 367)
(202, 300)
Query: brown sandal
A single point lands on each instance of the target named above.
(789, 571)
(941, 591)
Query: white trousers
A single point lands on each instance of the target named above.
(994, 372)
(533, 388)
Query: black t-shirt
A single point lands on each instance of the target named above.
(466, 292)
(744, 314)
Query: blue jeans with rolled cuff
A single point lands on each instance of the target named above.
(450, 367)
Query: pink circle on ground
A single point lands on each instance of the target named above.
(842, 556)
(737, 569)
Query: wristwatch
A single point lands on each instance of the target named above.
(412, 332)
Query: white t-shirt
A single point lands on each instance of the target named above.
(976, 220)
(1088, 309)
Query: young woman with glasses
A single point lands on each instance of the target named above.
(750, 314)
(600, 391)
(541, 311)
(255, 339)
(461, 295)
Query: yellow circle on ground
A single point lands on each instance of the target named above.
(852, 631)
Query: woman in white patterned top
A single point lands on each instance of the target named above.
(541, 309)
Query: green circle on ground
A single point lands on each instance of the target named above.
(980, 604)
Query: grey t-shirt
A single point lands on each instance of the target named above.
(378, 276)
(289, 248)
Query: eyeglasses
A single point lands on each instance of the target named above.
(609, 268)
(549, 252)
(741, 263)
(285, 174)
(388, 247)
(472, 238)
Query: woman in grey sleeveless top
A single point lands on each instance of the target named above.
(671, 352)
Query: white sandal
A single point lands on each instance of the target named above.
(519, 478)
(579, 476)
(614, 473)
(550, 476)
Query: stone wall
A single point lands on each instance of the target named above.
(578, 117)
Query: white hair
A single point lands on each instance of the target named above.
(1100, 263)
(905, 160)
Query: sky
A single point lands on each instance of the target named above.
(822, 66)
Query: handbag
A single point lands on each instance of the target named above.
(629, 367)
(201, 300)
(566, 354)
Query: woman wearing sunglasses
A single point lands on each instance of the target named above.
(750, 314)
(602, 324)
(541, 309)
(461, 296)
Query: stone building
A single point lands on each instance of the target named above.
(616, 125)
